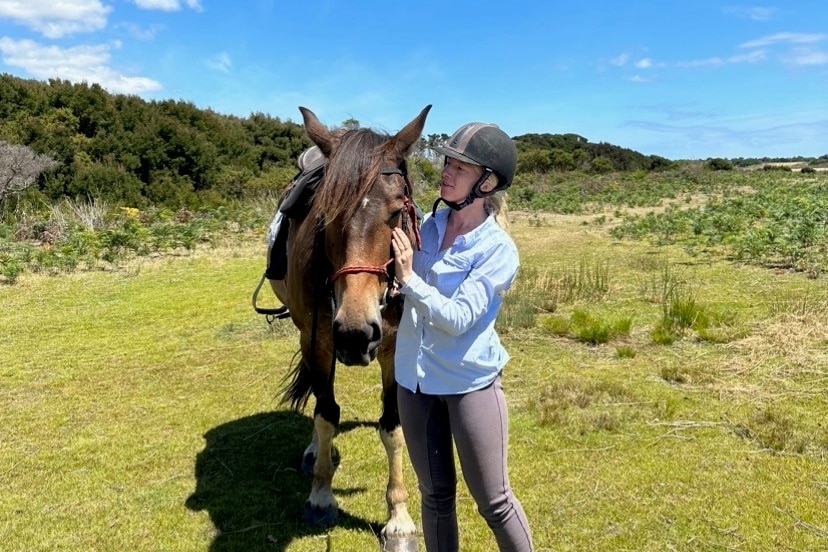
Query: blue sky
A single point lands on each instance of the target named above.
(685, 79)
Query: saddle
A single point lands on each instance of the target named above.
(295, 205)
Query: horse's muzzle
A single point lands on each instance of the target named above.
(356, 345)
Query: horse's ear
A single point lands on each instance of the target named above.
(317, 132)
(402, 142)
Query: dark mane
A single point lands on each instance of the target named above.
(350, 173)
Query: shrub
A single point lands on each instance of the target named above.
(601, 165)
(719, 164)
(11, 269)
(593, 330)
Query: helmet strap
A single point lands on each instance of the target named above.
(475, 193)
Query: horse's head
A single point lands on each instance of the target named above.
(364, 195)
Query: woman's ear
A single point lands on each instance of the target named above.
(489, 185)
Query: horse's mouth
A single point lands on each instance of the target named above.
(356, 346)
(351, 357)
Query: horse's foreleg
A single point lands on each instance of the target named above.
(399, 533)
(321, 506)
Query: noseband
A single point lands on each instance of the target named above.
(383, 269)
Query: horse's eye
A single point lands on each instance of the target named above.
(395, 216)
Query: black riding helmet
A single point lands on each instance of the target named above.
(486, 145)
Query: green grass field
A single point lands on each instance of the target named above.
(140, 408)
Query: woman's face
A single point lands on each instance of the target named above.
(458, 179)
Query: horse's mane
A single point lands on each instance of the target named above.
(350, 172)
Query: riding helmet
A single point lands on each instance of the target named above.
(484, 144)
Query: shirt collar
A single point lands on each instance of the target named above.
(441, 219)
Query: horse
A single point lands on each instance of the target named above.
(338, 291)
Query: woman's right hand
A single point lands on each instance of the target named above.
(403, 255)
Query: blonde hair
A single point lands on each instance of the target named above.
(495, 204)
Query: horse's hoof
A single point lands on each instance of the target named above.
(399, 543)
(316, 515)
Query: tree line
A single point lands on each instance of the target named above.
(93, 144)
(136, 152)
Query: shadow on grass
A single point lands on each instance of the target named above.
(248, 480)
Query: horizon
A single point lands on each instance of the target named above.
(696, 81)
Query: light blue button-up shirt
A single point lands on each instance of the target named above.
(446, 341)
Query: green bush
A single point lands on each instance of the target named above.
(587, 328)
(719, 164)
(11, 268)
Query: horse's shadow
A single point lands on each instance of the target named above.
(248, 479)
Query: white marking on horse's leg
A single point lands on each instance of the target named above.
(399, 522)
(313, 447)
(321, 495)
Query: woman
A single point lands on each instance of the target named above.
(449, 357)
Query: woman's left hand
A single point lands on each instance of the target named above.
(403, 255)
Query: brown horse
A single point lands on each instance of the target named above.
(337, 292)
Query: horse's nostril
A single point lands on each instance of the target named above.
(356, 345)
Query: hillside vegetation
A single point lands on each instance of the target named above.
(136, 153)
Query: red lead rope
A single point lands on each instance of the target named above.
(412, 216)
(408, 205)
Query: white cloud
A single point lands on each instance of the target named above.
(645, 63)
(785, 38)
(806, 56)
(168, 5)
(802, 51)
(752, 57)
(220, 62)
(755, 13)
(140, 33)
(76, 64)
(620, 60)
(56, 19)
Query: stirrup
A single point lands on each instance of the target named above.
(271, 314)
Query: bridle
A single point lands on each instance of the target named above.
(386, 269)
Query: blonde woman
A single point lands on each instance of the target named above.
(449, 358)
